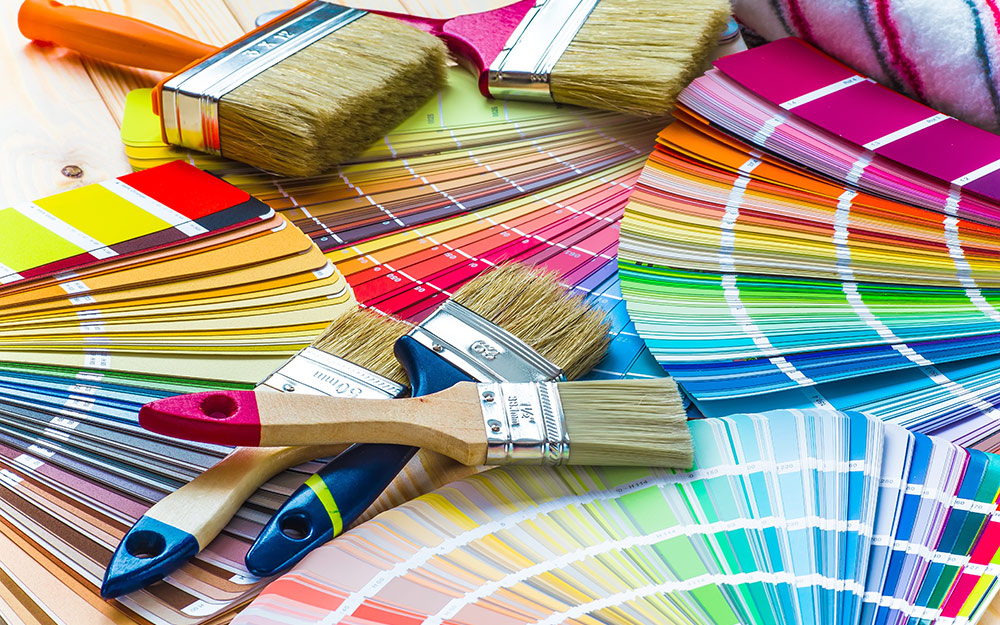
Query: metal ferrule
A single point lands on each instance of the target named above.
(190, 100)
(523, 68)
(524, 423)
(315, 372)
(481, 349)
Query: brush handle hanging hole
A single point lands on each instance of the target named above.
(218, 406)
(295, 526)
(145, 544)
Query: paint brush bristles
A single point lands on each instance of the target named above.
(307, 91)
(181, 524)
(325, 104)
(530, 303)
(328, 102)
(365, 338)
(636, 56)
(645, 425)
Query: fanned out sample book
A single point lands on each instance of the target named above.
(791, 516)
(155, 283)
(804, 237)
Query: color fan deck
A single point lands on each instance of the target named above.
(779, 251)
(463, 185)
(757, 281)
(809, 516)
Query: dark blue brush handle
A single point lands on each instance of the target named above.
(336, 496)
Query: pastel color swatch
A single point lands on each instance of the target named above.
(810, 516)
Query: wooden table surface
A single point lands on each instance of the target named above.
(60, 114)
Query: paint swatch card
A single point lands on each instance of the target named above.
(784, 257)
(164, 281)
(126, 215)
(464, 184)
(781, 520)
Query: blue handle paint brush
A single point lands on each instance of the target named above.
(507, 325)
(352, 357)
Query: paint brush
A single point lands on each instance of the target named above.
(511, 324)
(187, 520)
(296, 96)
(352, 357)
(632, 56)
(615, 423)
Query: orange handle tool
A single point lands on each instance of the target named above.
(109, 37)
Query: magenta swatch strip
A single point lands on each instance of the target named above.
(845, 113)
(864, 112)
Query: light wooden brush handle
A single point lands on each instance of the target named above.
(449, 422)
(183, 523)
(109, 37)
(204, 506)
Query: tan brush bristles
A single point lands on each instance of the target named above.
(636, 56)
(365, 338)
(325, 104)
(516, 298)
(531, 304)
(628, 422)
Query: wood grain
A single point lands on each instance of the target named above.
(992, 615)
(52, 119)
(449, 422)
(210, 21)
(60, 114)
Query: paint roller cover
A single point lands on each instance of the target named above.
(328, 102)
(636, 56)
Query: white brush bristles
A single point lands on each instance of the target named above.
(328, 102)
(366, 339)
(627, 422)
(636, 56)
(530, 303)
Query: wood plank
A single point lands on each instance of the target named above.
(210, 21)
(51, 117)
(59, 113)
(992, 615)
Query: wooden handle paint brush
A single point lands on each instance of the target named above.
(632, 56)
(621, 422)
(513, 323)
(353, 356)
(302, 93)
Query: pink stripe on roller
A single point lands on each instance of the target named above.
(897, 52)
(799, 21)
(220, 417)
(995, 14)
(477, 38)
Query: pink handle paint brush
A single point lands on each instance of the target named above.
(632, 56)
